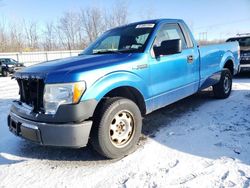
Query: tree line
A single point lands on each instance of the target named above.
(73, 30)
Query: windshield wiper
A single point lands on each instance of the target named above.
(108, 51)
(128, 50)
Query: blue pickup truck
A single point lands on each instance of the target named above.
(101, 95)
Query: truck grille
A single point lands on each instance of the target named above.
(31, 93)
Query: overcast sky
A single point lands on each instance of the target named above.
(218, 18)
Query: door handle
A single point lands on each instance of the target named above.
(190, 59)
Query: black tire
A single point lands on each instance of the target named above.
(116, 118)
(223, 88)
(5, 73)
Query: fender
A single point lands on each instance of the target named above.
(114, 80)
(226, 57)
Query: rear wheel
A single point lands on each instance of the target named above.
(223, 88)
(116, 128)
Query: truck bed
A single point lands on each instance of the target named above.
(213, 57)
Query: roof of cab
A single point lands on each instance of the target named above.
(156, 21)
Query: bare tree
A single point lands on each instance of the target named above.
(3, 35)
(120, 14)
(16, 42)
(95, 21)
(117, 17)
(49, 42)
(69, 30)
(73, 30)
(31, 33)
(92, 22)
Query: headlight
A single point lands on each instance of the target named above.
(57, 94)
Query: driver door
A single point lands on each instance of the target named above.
(173, 76)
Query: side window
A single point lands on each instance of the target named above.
(170, 32)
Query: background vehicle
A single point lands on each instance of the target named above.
(9, 66)
(244, 41)
(127, 73)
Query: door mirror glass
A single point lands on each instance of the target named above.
(168, 47)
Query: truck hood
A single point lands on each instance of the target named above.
(59, 68)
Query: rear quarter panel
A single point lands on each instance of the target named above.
(214, 57)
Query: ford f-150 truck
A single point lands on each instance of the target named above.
(128, 72)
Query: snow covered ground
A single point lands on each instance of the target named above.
(196, 142)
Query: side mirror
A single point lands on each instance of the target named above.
(168, 47)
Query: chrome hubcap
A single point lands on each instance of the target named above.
(227, 84)
(121, 129)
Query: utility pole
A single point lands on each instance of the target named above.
(203, 36)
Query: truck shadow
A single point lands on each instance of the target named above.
(18, 147)
(243, 75)
(15, 147)
(173, 111)
(152, 125)
(25, 149)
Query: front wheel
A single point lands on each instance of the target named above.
(223, 88)
(5, 73)
(117, 127)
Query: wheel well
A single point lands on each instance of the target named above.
(129, 93)
(230, 65)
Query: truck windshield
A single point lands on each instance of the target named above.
(10, 61)
(128, 39)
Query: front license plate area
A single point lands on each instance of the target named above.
(14, 127)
